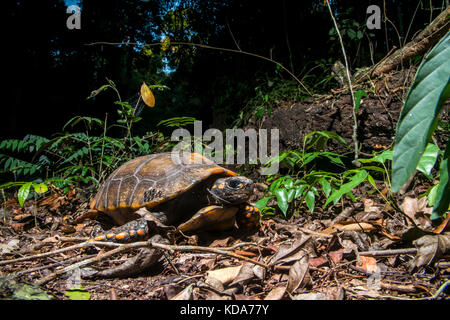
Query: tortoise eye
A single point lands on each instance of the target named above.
(235, 184)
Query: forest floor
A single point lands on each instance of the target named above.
(353, 250)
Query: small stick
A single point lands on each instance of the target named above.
(123, 247)
(56, 264)
(126, 247)
(207, 249)
(393, 252)
(50, 253)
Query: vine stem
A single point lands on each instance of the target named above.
(355, 122)
(205, 46)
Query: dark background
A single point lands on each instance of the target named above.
(51, 70)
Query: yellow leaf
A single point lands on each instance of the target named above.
(147, 95)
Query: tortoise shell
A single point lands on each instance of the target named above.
(152, 180)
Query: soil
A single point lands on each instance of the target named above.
(377, 115)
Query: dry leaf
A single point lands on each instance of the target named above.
(259, 272)
(430, 248)
(368, 264)
(417, 210)
(225, 275)
(276, 293)
(297, 273)
(147, 96)
(214, 283)
(290, 252)
(318, 262)
(310, 296)
(67, 228)
(9, 247)
(222, 242)
(336, 256)
(350, 226)
(245, 274)
(185, 294)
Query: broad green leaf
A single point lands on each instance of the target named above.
(290, 195)
(299, 191)
(373, 168)
(310, 200)
(443, 190)
(288, 182)
(431, 197)
(420, 114)
(40, 188)
(326, 187)
(428, 159)
(261, 203)
(359, 177)
(275, 185)
(336, 160)
(282, 200)
(23, 193)
(382, 157)
(351, 33)
(372, 181)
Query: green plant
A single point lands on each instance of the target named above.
(305, 184)
(178, 122)
(302, 184)
(16, 156)
(418, 120)
(72, 158)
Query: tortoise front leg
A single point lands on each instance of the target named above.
(248, 216)
(211, 218)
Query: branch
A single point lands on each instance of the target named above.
(126, 247)
(177, 43)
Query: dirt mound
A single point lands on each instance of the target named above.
(377, 116)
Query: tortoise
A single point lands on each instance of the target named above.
(186, 190)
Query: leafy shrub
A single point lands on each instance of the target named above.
(418, 120)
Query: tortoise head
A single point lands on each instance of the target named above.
(232, 190)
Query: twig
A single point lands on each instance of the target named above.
(48, 266)
(123, 248)
(393, 252)
(355, 122)
(207, 249)
(50, 253)
(435, 295)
